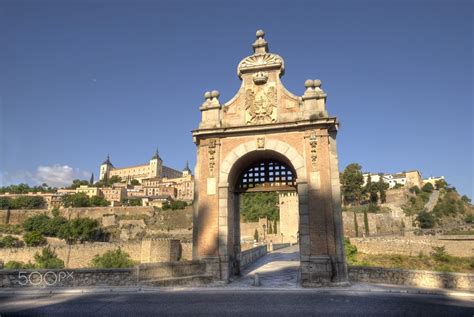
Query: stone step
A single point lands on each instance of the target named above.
(192, 280)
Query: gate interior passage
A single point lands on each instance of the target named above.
(268, 139)
(269, 175)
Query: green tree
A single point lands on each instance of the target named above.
(34, 239)
(440, 184)
(427, 188)
(48, 259)
(366, 222)
(382, 188)
(426, 220)
(466, 199)
(38, 223)
(134, 182)
(115, 179)
(133, 202)
(275, 230)
(98, 201)
(80, 229)
(352, 181)
(77, 183)
(351, 250)
(255, 235)
(112, 259)
(356, 225)
(76, 200)
(259, 205)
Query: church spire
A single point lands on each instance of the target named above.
(157, 155)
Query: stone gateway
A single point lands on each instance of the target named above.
(268, 139)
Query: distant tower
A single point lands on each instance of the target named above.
(91, 181)
(156, 166)
(186, 170)
(105, 169)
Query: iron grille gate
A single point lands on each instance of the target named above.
(266, 174)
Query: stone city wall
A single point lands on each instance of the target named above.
(18, 216)
(428, 279)
(81, 255)
(379, 224)
(413, 245)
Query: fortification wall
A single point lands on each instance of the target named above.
(18, 216)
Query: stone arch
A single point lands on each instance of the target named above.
(278, 146)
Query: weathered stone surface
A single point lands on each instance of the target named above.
(429, 279)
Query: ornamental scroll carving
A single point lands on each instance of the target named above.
(212, 157)
(313, 144)
(261, 106)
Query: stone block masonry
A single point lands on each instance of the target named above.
(426, 279)
(81, 255)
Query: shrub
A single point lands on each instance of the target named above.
(397, 186)
(10, 229)
(112, 259)
(255, 235)
(98, 201)
(439, 254)
(426, 220)
(427, 188)
(34, 239)
(76, 200)
(415, 190)
(15, 265)
(48, 259)
(37, 223)
(55, 212)
(177, 204)
(351, 250)
(466, 199)
(10, 242)
(469, 219)
(82, 229)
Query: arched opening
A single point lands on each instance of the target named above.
(267, 179)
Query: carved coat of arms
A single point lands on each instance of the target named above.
(260, 107)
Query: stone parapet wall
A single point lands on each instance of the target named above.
(427, 279)
(81, 255)
(251, 255)
(68, 278)
(152, 271)
(413, 245)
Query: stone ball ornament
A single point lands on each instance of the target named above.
(215, 94)
(260, 33)
(207, 95)
(308, 83)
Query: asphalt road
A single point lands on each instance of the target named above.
(245, 302)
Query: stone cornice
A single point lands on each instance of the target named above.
(330, 123)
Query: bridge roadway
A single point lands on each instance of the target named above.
(278, 269)
(279, 295)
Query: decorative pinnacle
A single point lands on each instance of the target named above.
(260, 46)
(211, 95)
(312, 83)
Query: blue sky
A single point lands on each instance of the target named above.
(80, 79)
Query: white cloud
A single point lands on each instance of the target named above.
(56, 175)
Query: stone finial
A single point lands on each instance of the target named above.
(313, 89)
(260, 46)
(215, 94)
(207, 95)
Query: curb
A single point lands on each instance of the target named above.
(98, 290)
